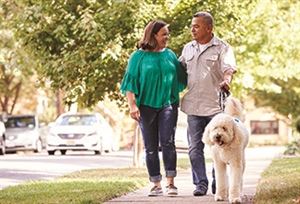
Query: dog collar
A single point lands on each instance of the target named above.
(237, 120)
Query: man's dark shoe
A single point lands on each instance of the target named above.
(213, 186)
(200, 191)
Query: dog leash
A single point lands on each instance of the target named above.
(223, 94)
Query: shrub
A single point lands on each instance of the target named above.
(293, 148)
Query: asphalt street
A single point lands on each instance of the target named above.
(22, 167)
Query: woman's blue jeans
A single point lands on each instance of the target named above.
(158, 126)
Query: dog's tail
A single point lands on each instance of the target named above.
(234, 108)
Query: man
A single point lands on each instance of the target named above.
(210, 65)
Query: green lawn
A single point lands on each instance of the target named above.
(280, 182)
(84, 187)
(91, 186)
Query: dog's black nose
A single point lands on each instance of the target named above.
(218, 137)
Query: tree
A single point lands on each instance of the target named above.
(230, 23)
(298, 125)
(272, 56)
(15, 66)
(264, 35)
(83, 45)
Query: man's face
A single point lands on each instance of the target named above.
(201, 32)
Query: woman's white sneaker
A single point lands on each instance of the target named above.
(155, 191)
(172, 190)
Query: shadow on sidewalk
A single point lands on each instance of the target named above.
(257, 159)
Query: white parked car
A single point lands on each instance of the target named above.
(2, 138)
(80, 131)
(181, 140)
(22, 133)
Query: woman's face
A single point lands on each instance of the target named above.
(162, 38)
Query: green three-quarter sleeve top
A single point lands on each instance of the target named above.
(156, 78)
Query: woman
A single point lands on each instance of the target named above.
(152, 84)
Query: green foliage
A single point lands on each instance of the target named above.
(298, 124)
(293, 148)
(272, 60)
(231, 24)
(16, 67)
(286, 101)
(83, 45)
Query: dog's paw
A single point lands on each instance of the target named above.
(219, 198)
(237, 200)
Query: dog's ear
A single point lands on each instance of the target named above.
(236, 133)
(206, 138)
(241, 134)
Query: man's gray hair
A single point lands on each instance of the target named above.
(209, 20)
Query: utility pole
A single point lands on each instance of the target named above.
(137, 147)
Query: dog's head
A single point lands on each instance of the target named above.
(220, 130)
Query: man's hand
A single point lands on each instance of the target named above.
(225, 85)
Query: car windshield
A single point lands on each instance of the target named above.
(78, 120)
(20, 122)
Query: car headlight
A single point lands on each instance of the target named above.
(51, 134)
(12, 137)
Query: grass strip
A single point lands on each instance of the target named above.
(84, 187)
(280, 182)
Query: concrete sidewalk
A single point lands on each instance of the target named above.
(257, 159)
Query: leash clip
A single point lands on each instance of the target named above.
(223, 94)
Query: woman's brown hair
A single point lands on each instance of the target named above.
(148, 42)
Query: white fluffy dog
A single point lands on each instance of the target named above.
(227, 137)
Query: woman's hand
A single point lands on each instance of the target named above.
(135, 113)
(134, 110)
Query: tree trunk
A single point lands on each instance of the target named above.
(16, 90)
(59, 103)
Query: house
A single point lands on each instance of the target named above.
(266, 127)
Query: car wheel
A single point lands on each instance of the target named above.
(2, 149)
(100, 151)
(51, 152)
(39, 147)
(63, 152)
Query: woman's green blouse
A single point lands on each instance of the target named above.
(156, 78)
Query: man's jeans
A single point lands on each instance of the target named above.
(158, 126)
(196, 126)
